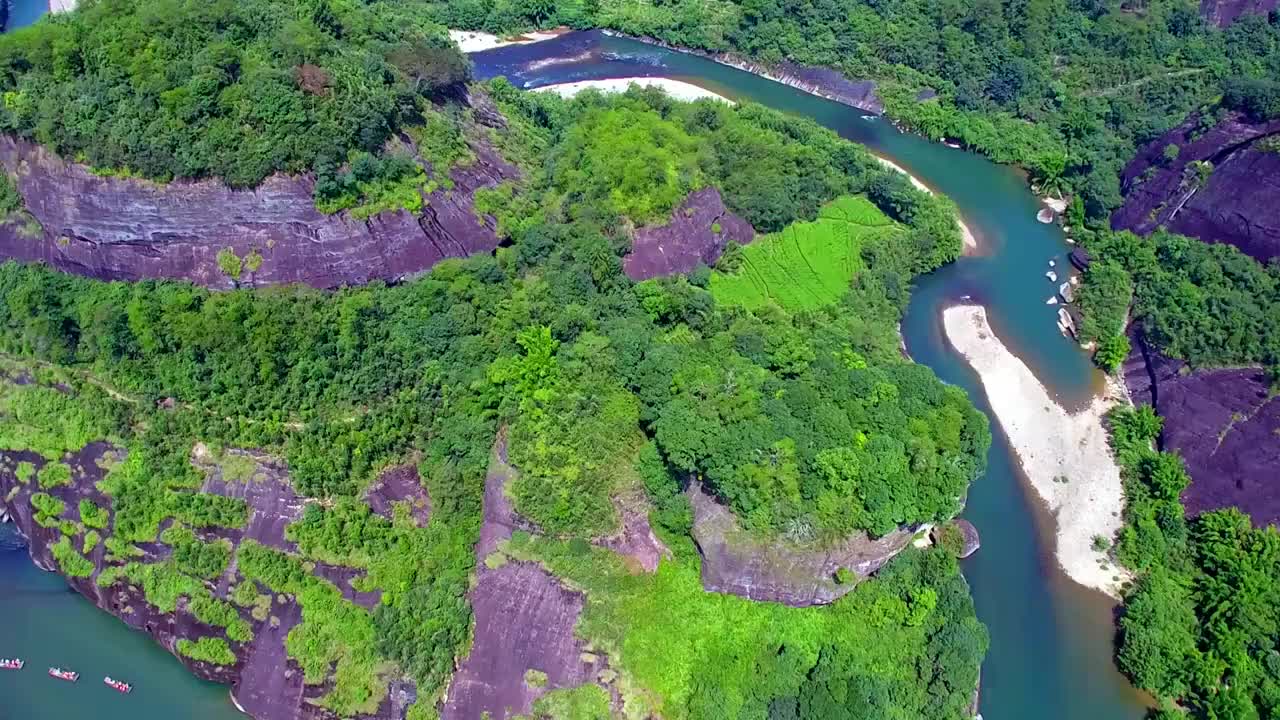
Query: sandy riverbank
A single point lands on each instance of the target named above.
(470, 41)
(1051, 444)
(677, 89)
(970, 240)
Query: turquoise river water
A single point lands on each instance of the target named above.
(1051, 640)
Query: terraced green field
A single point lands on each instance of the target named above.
(807, 264)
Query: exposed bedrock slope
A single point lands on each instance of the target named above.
(128, 229)
(774, 571)
(264, 680)
(524, 620)
(1224, 12)
(698, 231)
(1225, 425)
(1234, 202)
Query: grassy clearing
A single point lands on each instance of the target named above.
(911, 633)
(808, 264)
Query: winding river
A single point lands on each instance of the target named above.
(1051, 640)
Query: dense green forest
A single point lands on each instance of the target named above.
(807, 422)
(1066, 88)
(1208, 304)
(1200, 627)
(229, 88)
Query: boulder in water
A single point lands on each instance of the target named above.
(1045, 216)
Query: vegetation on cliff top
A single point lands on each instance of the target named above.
(1066, 89)
(809, 424)
(236, 90)
(1200, 627)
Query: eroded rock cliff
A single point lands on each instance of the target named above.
(264, 680)
(1221, 184)
(1224, 12)
(697, 232)
(1224, 423)
(128, 229)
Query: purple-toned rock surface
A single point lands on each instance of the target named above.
(971, 541)
(524, 620)
(264, 680)
(635, 539)
(734, 562)
(128, 229)
(698, 231)
(400, 484)
(1223, 423)
(1224, 12)
(1238, 204)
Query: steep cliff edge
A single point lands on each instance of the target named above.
(1222, 184)
(1224, 423)
(265, 681)
(1224, 12)
(127, 229)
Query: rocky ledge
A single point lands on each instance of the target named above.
(115, 228)
(697, 233)
(734, 562)
(1222, 185)
(1224, 12)
(265, 682)
(1224, 423)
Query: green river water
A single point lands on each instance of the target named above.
(1051, 640)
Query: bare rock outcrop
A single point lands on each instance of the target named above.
(264, 680)
(524, 620)
(1224, 423)
(736, 563)
(128, 229)
(698, 231)
(1224, 12)
(1223, 185)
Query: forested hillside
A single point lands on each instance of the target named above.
(232, 89)
(1067, 88)
(808, 424)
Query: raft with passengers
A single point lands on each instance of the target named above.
(11, 663)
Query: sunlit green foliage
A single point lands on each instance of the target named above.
(207, 649)
(628, 158)
(1208, 304)
(47, 508)
(585, 702)
(910, 633)
(70, 561)
(93, 516)
(54, 474)
(47, 420)
(194, 556)
(806, 265)
(1195, 629)
(229, 89)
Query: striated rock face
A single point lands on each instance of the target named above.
(735, 563)
(698, 231)
(1236, 204)
(519, 62)
(1224, 12)
(1225, 425)
(524, 620)
(128, 229)
(265, 682)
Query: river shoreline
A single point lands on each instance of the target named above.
(970, 240)
(1065, 455)
(677, 89)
